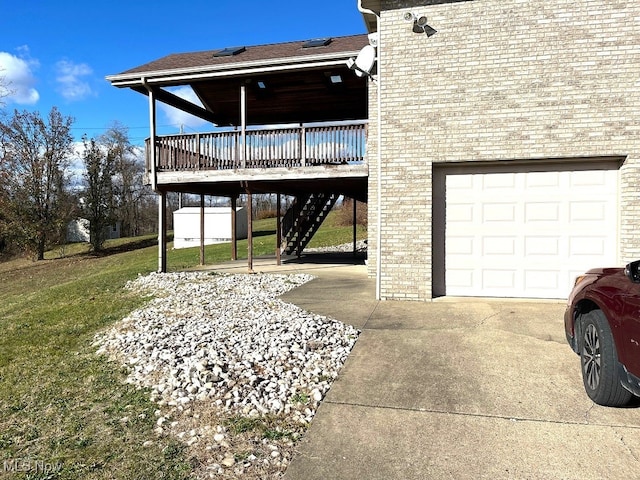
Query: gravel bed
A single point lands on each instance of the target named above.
(237, 373)
(361, 246)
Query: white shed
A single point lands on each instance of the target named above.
(78, 231)
(217, 226)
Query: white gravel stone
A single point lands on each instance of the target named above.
(228, 461)
(230, 341)
(361, 246)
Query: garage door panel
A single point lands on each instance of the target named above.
(461, 182)
(527, 233)
(460, 213)
(590, 246)
(460, 246)
(498, 212)
(549, 246)
(541, 280)
(587, 211)
(499, 181)
(590, 178)
(503, 279)
(460, 278)
(542, 180)
(542, 212)
(499, 246)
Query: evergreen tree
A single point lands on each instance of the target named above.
(98, 196)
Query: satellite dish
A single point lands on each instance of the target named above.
(365, 61)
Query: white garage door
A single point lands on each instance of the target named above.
(527, 233)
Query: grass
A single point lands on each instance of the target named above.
(65, 412)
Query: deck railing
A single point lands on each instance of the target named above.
(301, 146)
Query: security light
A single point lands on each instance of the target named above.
(419, 23)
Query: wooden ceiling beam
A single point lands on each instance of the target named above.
(181, 104)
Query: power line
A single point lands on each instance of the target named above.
(130, 128)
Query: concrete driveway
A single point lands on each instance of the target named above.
(456, 389)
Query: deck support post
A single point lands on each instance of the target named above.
(355, 226)
(234, 233)
(152, 155)
(243, 123)
(162, 232)
(278, 230)
(249, 231)
(201, 229)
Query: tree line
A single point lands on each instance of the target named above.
(46, 182)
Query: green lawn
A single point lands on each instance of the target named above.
(64, 411)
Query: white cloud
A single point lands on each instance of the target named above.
(17, 85)
(71, 80)
(179, 118)
(76, 166)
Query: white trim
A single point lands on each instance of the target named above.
(231, 69)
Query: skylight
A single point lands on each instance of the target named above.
(317, 42)
(229, 51)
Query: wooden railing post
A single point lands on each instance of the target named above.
(303, 146)
(198, 151)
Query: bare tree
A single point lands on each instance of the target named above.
(4, 192)
(128, 171)
(5, 205)
(4, 88)
(35, 161)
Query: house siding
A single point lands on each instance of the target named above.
(500, 81)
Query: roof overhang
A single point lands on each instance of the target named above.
(370, 19)
(298, 86)
(180, 76)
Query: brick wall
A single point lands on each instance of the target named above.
(501, 80)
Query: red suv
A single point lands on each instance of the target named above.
(602, 324)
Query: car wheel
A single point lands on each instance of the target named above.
(599, 362)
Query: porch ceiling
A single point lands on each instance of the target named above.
(285, 83)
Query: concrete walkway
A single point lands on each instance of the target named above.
(460, 389)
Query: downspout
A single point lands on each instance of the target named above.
(363, 10)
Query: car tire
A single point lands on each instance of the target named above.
(599, 362)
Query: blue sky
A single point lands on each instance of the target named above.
(57, 53)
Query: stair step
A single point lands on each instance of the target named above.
(300, 228)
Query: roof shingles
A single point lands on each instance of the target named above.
(179, 61)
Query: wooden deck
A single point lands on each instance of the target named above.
(298, 147)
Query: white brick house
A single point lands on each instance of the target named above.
(509, 145)
(502, 142)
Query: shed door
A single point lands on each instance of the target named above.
(527, 233)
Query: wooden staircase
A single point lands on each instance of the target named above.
(303, 218)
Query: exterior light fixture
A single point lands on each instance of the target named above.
(419, 24)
